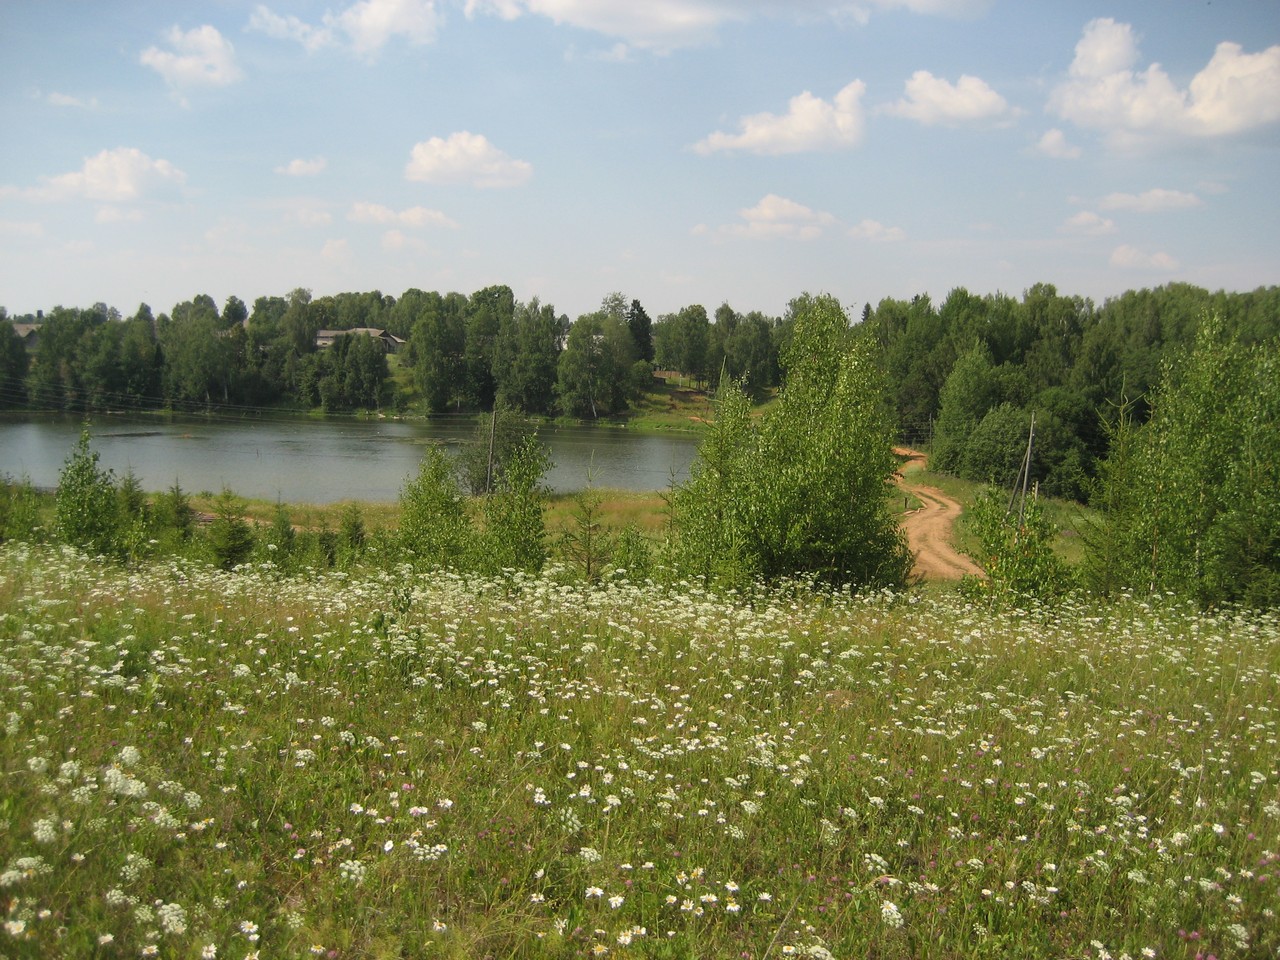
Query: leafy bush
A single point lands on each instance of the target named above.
(434, 528)
(19, 510)
(1192, 500)
(1016, 551)
(482, 462)
(803, 491)
(515, 534)
(87, 509)
(996, 446)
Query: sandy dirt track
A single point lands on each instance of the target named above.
(929, 529)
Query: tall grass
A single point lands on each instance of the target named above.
(198, 763)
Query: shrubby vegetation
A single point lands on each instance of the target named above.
(965, 373)
(802, 491)
(1193, 498)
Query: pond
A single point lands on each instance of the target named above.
(320, 461)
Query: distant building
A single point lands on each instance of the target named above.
(29, 334)
(325, 338)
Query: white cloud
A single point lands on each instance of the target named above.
(371, 23)
(311, 217)
(303, 168)
(932, 100)
(1088, 223)
(410, 217)
(465, 157)
(122, 175)
(1152, 201)
(1054, 144)
(776, 216)
(66, 100)
(660, 25)
(1235, 91)
(1131, 258)
(665, 25)
(367, 25)
(876, 231)
(810, 123)
(944, 8)
(336, 251)
(111, 214)
(198, 57)
(395, 241)
(264, 20)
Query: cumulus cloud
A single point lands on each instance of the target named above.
(122, 175)
(312, 38)
(1054, 144)
(875, 231)
(776, 216)
(371, 23)
(810, 123)
(465, 157)
(410, 217)
(1152, 201)
(933, 100)
(303, 168)
(367, 25)
(1088, 223)
(201, 57)
(1131, 258)
(1104, 90)
(665, 25)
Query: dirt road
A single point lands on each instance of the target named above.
(929, 529)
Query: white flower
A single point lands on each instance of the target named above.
(890, 914)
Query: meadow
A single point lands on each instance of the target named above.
(199, 763)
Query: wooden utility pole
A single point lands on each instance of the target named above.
(1026, 469)
(1024, 473)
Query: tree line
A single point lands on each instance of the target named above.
(964, 377)
(454, 353)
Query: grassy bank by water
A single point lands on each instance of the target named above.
(201, 764)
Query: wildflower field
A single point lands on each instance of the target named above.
(199, 763)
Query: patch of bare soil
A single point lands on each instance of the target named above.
(930, 529)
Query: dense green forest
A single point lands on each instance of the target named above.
(965, 377)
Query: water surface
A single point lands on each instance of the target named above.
(319, 461)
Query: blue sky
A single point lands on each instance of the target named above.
(678, 151)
